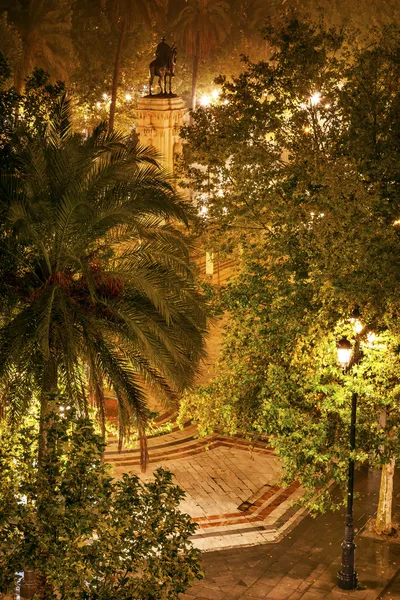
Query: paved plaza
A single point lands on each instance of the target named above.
(232, 487)
(257, 544)
(303, 565)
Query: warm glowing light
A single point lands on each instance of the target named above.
(105, 96)
(205, 100)
(396, 222)
(307, 130)
(215, 94)
(98, 104)
(327, 106)
(204, 210)
(357, 325)
(226, 101)
(128, 97)
(315, 99)
(344, 352)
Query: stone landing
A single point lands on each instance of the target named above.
(231, 486)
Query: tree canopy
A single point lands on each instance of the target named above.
(84, 534)
(95, 274)
(297, 168)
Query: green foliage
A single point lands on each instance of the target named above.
(86, 535)
(44, 29)
(298, 169)
(96, 272)
(24, 116)
(10, 43)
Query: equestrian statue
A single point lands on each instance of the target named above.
(163, 67)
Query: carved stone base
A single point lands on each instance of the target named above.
(159, 121)
(162, 95)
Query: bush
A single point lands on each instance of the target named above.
(84, 534)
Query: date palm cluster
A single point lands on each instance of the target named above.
(96, 283)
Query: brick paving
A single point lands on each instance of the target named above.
(232, 487)
(303, 565)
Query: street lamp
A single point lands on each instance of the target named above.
(347, 577)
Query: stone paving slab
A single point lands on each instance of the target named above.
(232, 487)
(303, 565)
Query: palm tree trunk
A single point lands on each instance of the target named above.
(36, 583)
(49, 388)
(117, 70)
(384, 515)
(196, 58)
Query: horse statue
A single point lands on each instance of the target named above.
(163, 67)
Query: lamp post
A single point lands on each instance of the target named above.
(347, 577)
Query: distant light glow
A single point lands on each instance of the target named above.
(307, 129)
(204, 210)
(315, 99)
(205, 100)
(105, 96)
(128, 97)
(98, 104)
(215, 94)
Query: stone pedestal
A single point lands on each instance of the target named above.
(159, 120)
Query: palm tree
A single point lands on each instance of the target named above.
(94, 275)
(128, 13)
(201, 26)
(44, 27)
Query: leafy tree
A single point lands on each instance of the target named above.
(95, 272)
(44, 27)
(34, 108)
(95, 37)
(10, 42)
(298, 167)
(84, 534)
(201, 26)
(128, 13)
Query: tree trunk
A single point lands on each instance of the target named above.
(36, 583)
(117, 70)
(196, 58)
(384, 515)
(49, 388)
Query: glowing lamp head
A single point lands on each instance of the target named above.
(344, 352)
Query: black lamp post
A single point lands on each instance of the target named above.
(347, 577)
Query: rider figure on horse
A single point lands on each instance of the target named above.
(163, 52)
(163, 66)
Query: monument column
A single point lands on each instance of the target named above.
(159, 120)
